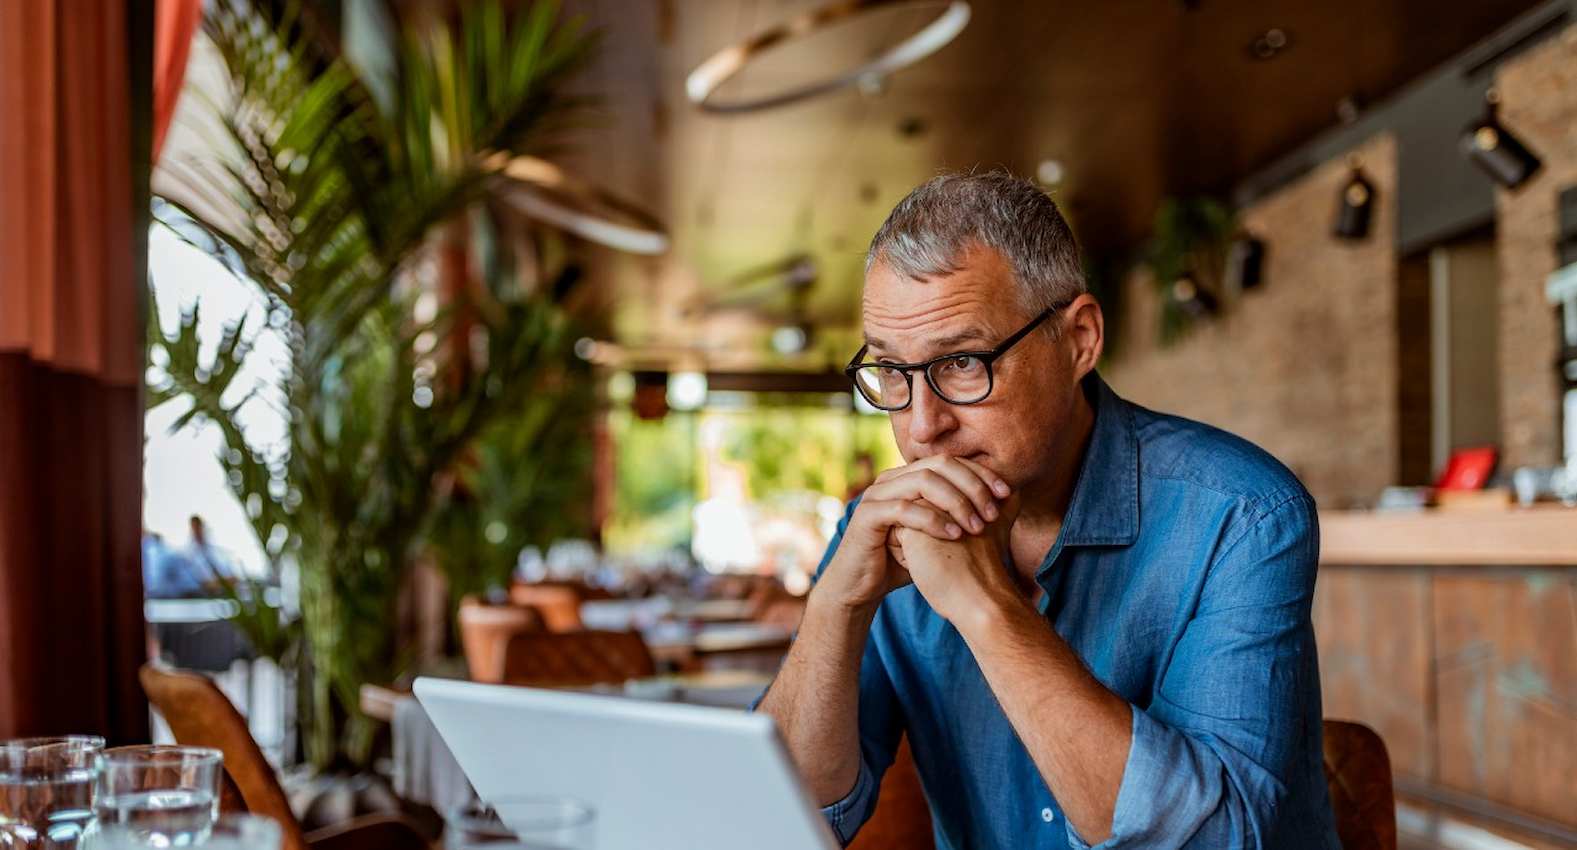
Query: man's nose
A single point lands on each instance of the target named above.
(930, 418)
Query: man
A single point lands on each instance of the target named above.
(214, 566)
(1091, 620)
(168, 573)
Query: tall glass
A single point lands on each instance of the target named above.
(230, 832)
(46, 791)
(522, 823)
(158, 796)
(245, 832)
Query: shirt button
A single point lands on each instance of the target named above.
(1048, 815)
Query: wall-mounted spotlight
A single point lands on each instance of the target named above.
(1495, 150)
(1245, 263)
(1355, 206)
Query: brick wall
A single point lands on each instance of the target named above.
(1539, 103)
(1306, 365)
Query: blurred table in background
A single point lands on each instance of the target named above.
(754, 646)
(716, 610)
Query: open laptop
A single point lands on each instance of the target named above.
(659, 775)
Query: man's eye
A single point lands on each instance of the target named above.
(962, 364)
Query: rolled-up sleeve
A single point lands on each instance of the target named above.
(847, 815)
(1237, 710)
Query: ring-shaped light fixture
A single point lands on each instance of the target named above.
(547, 193)
(705, 80)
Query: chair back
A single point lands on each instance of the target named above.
(1358, 774)
(1357, 771)
(486, 629)
(200, 715)
(586, 657)
(559, 604)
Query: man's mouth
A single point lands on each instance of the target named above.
(983, 459)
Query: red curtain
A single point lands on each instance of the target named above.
(174, 24)
(75, 93)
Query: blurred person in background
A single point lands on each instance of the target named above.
(214, 564)
(169, 573)
(195, 571)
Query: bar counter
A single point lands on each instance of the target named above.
(1453, 633)
(1539, 536)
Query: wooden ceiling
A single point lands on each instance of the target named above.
(1137, 99)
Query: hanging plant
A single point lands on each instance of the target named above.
(1187, 255)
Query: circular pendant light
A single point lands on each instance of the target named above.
(702, 84)
(547, 193)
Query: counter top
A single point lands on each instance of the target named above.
(1538, 536)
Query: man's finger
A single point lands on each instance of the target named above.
(907, 513)
(936, 489)
(934, 477)
(998, 485)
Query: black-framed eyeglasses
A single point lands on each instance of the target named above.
(963, 377)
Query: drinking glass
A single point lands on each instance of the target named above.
(245, 832)
(46, 791)
(521, 823)
(229, 832)
(157, 796)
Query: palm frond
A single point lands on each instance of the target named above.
(325, 196)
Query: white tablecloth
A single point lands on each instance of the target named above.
(424, 769)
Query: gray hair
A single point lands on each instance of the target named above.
(930, 232)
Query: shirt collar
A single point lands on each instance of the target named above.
(1104, 510)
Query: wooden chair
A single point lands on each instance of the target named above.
(569, 659)
(201, 715)
(559, 604)
(1357, 772)
(902, 819)
(485, 630)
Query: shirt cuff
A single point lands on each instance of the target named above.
(847, 815)
(1164, 791)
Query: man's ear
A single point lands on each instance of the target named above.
(1084, 325)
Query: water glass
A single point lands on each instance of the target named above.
(521, 823)
(157, 796)
(46, 792)
(229, 832)
(245, 832)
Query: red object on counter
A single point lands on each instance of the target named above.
(1468, 469)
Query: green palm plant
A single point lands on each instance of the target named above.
(329, 185)
(494, 506)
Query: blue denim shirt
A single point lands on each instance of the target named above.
(1182, 577)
